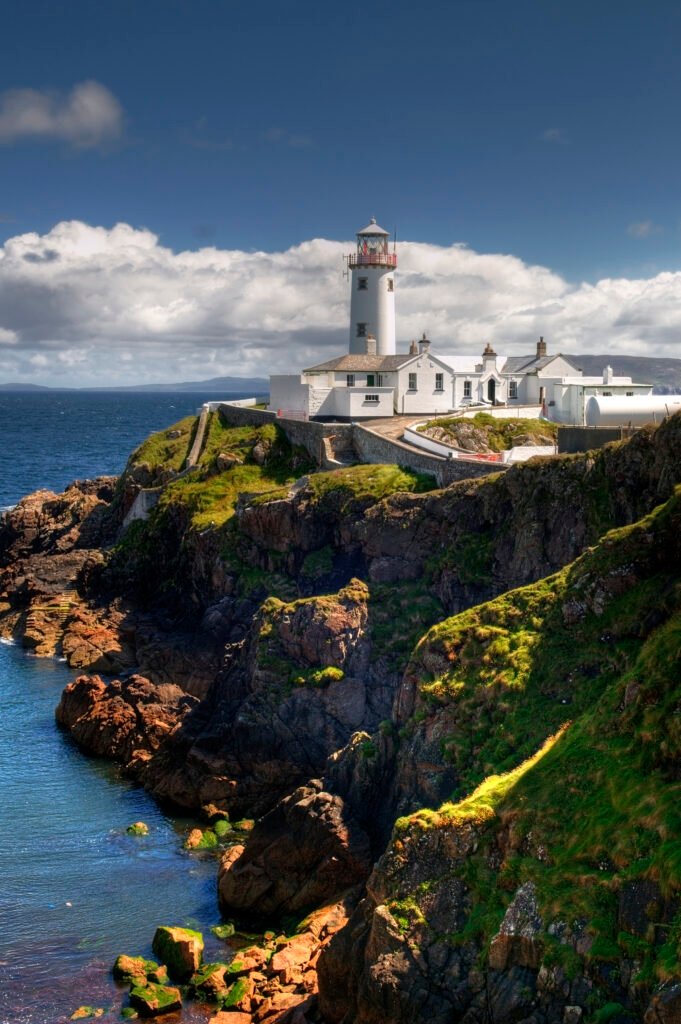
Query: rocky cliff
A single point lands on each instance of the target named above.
(332, 652)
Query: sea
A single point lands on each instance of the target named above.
(75, 889)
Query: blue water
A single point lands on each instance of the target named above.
(75, 889)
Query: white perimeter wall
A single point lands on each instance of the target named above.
(288, 392)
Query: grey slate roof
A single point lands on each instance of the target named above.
(518, 364)
(359, 362)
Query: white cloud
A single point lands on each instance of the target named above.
(554, 135)
(88, 116)
(7, 337)
(643, 229)
(85, 304)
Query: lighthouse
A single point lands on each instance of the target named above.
(372, 305)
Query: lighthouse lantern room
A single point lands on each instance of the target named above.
(372, 305)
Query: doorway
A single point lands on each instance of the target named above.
(491, 390)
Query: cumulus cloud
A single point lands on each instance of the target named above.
(96, 305)
(88, 116)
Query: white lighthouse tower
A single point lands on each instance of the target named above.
(372, 306)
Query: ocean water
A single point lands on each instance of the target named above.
(75, 889)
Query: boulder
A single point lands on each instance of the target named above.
(209, 983)
(152, 1000)
(180, 949)
(305, 852)
(225, 460)
(138, 828)
(135, 969)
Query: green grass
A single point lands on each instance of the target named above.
(210, 496)
(559, 704)
(160, 451)
(350, 489)
(500, 434)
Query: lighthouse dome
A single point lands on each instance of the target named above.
(373, 229)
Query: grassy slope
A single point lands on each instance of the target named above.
(580, 674)
(206, 498)
(500, 434)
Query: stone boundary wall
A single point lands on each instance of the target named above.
(369, 446)
(299, 432)
(195, 453)
(373, 447)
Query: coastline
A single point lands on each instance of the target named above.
(330, 617)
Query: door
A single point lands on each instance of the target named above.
(491, 390)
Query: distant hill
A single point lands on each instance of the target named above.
(663, 374)
(234, 385)
(242, 385)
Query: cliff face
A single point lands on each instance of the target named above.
(358, 656)
(551, 888)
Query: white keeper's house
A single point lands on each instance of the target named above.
(372, 380)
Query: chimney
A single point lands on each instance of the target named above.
(541, 348)
(424, 344)
(607, 375)
(371, 345)
(413, 349)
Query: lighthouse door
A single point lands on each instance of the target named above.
(491, 390)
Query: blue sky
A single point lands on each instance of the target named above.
(543, 130)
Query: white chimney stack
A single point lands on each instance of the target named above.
(607, 375)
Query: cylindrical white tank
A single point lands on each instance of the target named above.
(372, 303)
(620, 410)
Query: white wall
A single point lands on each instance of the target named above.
(571, 398)
(425, 399)
(374, 306)
(288, 392)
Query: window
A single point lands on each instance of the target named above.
(391, 284)
(350, 380)
(371, 398)
(467, 389)
(361, 330)
(630, 394)
(412, 382)
(439, 381)
(370, 380)
(362, 284)
(607, 394)
(513, 389)
(379, 380)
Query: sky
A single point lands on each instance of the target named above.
(179, 179)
